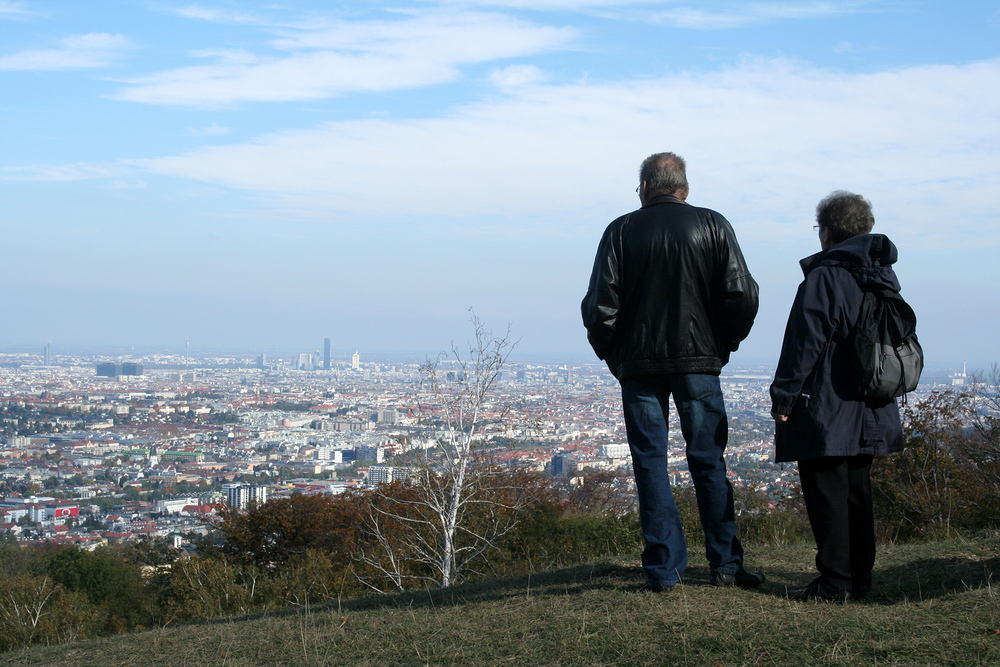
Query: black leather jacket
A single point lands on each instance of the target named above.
(670, 292)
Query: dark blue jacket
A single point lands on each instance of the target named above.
(812, 384)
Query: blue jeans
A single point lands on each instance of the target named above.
(706, 430)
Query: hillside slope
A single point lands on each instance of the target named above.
(935, 603)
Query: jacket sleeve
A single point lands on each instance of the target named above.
(813, 321)
(601, 305)
(735, 297)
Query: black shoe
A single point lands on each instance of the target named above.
(820, 589)
(862, 588)
(655, 587)
(740, 578)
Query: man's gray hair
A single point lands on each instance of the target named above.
(845, 214)
(664, 174)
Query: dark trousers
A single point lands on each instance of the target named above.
(838, 494)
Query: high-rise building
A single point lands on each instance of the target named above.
(258, 493)
(305, 362)
(373, 453)
(237, 495)
(380, 475)
(389, 416)
(332, 454)
(240, 495)
(110, 370)
(48, 355)
(562, 464)
(326, 354)
(356, 361)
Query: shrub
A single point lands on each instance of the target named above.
(114, 587)
(38, 610)
(213, 587)
(762, 518)
(268, 534)
(548, 537)
(931, 488)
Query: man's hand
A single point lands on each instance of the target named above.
(778, 417)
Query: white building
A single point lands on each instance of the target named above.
(615, 451)
(175, 506)
(240, 495)
(380, 475)
(331, 454)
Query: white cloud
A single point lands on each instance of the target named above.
(210, 131)
(65, 172)
(13, 10)
(215, 15)
(127, 185)
(764, 141)
(549, 4)
(517, 76)
(705, 15)
(737, 15)
(370, 56)
(81, 51)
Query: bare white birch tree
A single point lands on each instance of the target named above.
(457, 505)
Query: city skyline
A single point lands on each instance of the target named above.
(263, 177)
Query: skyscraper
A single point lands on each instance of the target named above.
(48, 354)
(305, 362)
(326, 354)
(239, 495)
(356, 361)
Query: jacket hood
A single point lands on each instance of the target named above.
(869, 258)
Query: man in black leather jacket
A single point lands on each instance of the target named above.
(670, 297)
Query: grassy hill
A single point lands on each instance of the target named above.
(935, 603)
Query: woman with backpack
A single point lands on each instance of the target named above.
(821, 420)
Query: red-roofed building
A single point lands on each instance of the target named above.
(201, 509)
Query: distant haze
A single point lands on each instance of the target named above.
(251, 176)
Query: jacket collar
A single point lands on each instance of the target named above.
(664, 199)
(868, 257)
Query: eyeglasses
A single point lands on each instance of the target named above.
(637, 188)
(816, 228)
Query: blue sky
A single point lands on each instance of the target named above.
(264, 175)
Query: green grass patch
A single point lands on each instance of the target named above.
(935, 603)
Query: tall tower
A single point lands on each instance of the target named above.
(356, 361)
(48, 354)
(305, 362)
(326, 354)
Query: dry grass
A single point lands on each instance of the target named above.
(935, 604)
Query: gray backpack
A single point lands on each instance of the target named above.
(886, 358)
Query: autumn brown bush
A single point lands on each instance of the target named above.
(946, 481)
